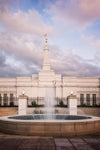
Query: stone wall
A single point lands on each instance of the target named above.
(7, 111)
(92, 111)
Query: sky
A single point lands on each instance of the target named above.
(73, 29)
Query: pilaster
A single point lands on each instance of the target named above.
(22, 105)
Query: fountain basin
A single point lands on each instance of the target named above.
(57, 128)
(46, 117)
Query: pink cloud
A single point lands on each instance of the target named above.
(90, 8)
(28, 22)
(21, 46)
(28, 53)
(76, 14)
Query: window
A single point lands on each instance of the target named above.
(88, 99)
(82, 99)
(11, 99)
(94, 99)
(0, 99)
(5, 98)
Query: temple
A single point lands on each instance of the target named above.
(87, 90)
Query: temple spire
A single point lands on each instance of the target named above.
(46, 38)
(46, 62)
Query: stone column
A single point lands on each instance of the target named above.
(91, 100)
(22, 105)
(79, 102)
(72, 104)
(15, 100)
(85, 101)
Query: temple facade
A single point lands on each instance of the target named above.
(87, 90)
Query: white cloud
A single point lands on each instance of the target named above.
(21, 46)
(22, 54)
(26, 22)
(96, 45)
(72, 64)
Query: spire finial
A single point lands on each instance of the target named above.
(46, 38)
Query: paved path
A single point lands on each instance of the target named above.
(15, 142)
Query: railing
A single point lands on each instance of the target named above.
(89, 102)
(40, 101)
(9, 102)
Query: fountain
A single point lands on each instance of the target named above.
(49, 124)
(49, 103)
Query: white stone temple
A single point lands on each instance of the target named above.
(87, 90)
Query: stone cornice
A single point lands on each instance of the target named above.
(16, 86)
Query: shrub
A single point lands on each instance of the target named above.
(36, 111)
(33, 104)
(11, 104)
(61, 103)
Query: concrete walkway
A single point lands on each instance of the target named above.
(15, 142)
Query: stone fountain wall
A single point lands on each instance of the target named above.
(94, 111)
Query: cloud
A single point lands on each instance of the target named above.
(21, 46)
(11, 67)
(70, 64)
(88, 37)
(93, 44)
(74, 14)
(27, 22)
(2, 59)
(96, 45)
(5, 69)
(13, 71)
(22, 55)
(4, 4)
